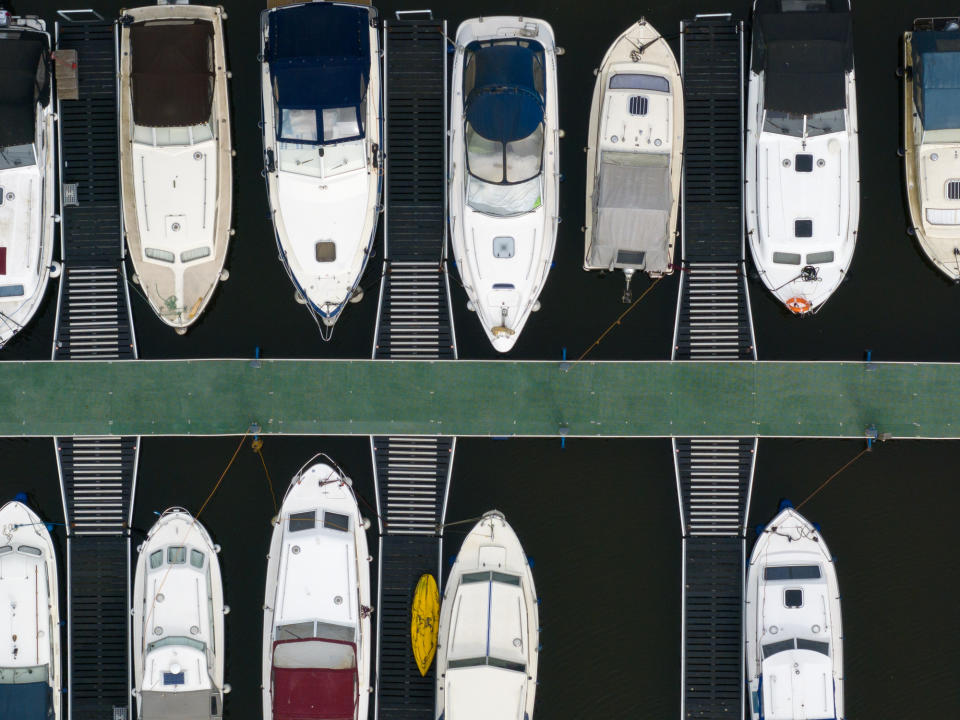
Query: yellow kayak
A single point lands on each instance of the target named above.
(425, 622)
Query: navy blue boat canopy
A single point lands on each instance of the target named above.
(936, 78)
(24, 82)
(319, 57)
(504, 89)
(26, 701)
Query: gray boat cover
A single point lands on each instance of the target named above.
(632, 213)
(189, 705)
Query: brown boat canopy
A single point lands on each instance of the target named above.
(172, 76)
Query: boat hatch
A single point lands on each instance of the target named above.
(631, 257)
(639, 105)
(820, 258)
(633, 81)
(803, 228)
(792, 572)
(336, 521)
(793, 598)
(326, 251)
(171, 678)
(504, 247)
(953, 190)
(804, 162)
(302, 521)
(782, 258)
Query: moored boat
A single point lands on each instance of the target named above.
(931, 127)
(178, 622)
(176, 173)
(504, 176)
(634, 157)
(27, 171)
(322, 129)
(802, 164)
(488, 647)
(30, 675)
(316, 618)
(792, 626)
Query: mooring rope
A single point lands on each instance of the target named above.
(829, 479)
(257, 446)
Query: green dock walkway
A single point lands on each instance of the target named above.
(467, 398)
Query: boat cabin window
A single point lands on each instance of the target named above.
(512, 162)
(630, 81)
(820, 258)
(804, 6)
(782, 258)
(791, 572)
(158, 254)
(196, 558)
(314, 629)
(194, 254)
(340, 123)
(29, 550)
(6, 549)
(793, 598)
(798, 643)
(487, 661)
(799, 125)
(156, 559)
(15, 156)
(176, 555)
(777, 647)
(11, 290)
(22, 675)
(488, 576)
(172, 136)
(820, 647)
(336, 521)
(176, 641)
(302, 521)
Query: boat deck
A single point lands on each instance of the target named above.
(414, 322)
(97, 475)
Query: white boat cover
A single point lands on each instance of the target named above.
(632, 212)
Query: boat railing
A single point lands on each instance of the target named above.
(936, 24)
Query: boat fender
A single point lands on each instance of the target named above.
(227, 688)
(55, 269)
(530, 562)
(759, 530)
(224, 275)
(216, 549)
(561, 134)
(375, 150)
(453, 559)
(226, 609)
(366, 523)
(816, 526)
(784, 504)
(559, 51)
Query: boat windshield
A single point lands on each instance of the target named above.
(22, 675)
(322, 161)
(504, 178)
(172, 136)
(15, 156)
(176, 641)
(487, 661)
(799, 643)
(801, 125)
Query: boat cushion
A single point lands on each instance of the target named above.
(172, 75)
(632, 212)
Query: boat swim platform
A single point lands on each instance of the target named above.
(480, 398)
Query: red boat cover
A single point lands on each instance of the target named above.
(315, 693)
(3, 261)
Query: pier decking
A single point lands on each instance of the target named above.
(97, 475)
(412, 474)
(376, 397)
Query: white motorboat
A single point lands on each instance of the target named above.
(27, 177)
(30, 676)
(175, 156)
(803, 169)
(634, 158)
(316, 617)
(178, 613)
(489, 639)
(504, 180)
(322, 129)
(794, 638)
(931, 126)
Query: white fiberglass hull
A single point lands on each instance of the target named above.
(177, 607)
(503, 285)
(792, 624)
(342, 208)
(318, 578)
(934, 216)
(778, 196)
(177, 193)
(28, 579)
(488, 643)
(27, 211)
(612, 129)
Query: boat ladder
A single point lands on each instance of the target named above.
(714, 475)
(97, 474)
(414, 322)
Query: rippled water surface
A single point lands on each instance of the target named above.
(599, 517)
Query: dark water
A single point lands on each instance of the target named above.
(600, 517)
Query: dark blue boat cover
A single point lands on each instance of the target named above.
(505, 104)
(27, 701)
(319, 56)
(936, 78)
(21, 86)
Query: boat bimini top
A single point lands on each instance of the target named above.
(24, 84)
(503, 118)
(804, 57)
(319, 56)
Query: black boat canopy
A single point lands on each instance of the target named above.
(804, 54)
(24, 82)
(172, 76)
(936, 78)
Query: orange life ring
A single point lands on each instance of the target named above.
(798, 305)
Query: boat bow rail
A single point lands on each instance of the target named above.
(97, 474)
(414, 322)
(714, 474)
